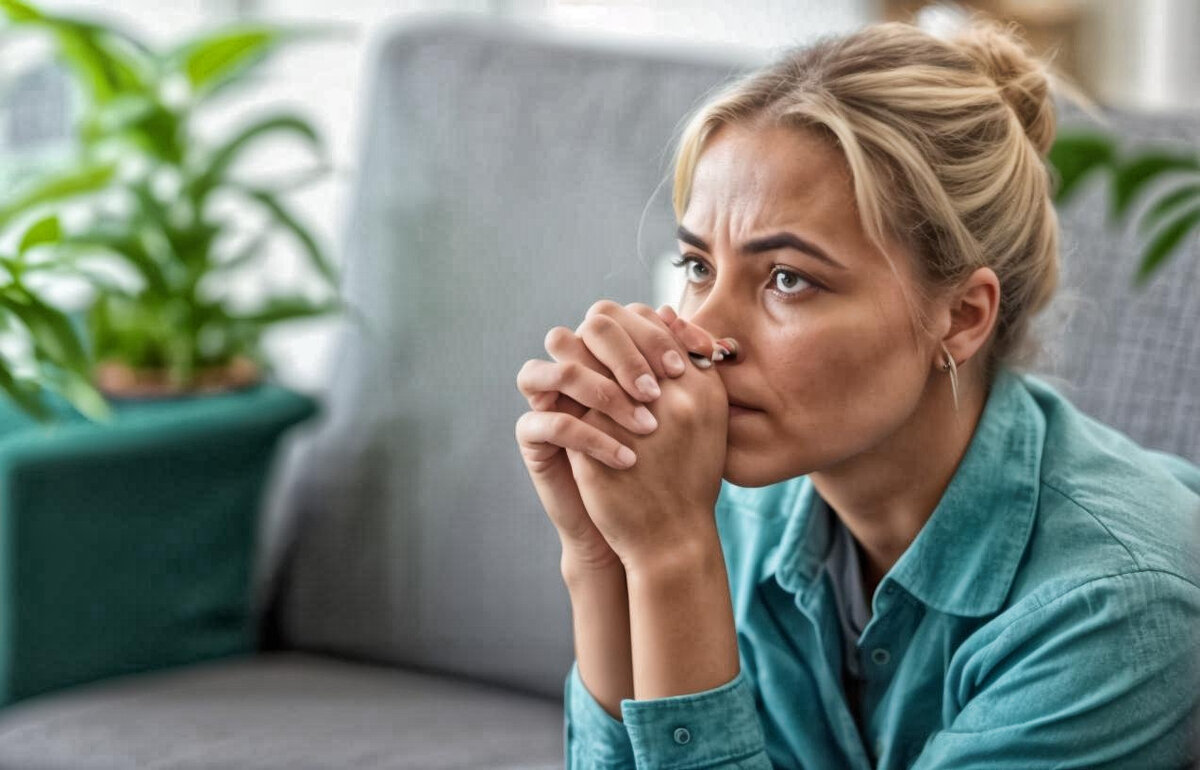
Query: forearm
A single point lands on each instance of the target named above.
(600, 612)
(681, 620)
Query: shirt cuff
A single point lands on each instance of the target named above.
(717, 727)
(593, 738)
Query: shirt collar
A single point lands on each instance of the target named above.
(964, 559)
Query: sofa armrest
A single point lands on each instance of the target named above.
(129, 546)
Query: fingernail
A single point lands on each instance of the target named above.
(643, 417)
(626, 457)
(648, 385)
(673, 362)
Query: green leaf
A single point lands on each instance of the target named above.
(1176, 199)
(26, 395)
(76, 389)
(20, 12)
(1135, 174)
(218, 58)
(119, 114)
(15, 269)
(286, 308)
(58, 187)
(1075, 157)
(126, 246)
(45, 230)
(53, 336)
(246, 253)
(109, 61)
(285, 219)
(1164, 243)
(225, 155)
(106, 67)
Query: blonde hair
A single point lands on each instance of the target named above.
(945, 141)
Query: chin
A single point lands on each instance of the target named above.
(751, 471)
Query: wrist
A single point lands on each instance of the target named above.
(585, 568)
(682, 562)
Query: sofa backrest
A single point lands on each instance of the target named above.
(508, 179)
(502, 180)
(1128, 356)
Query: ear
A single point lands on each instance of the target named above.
(973, 307)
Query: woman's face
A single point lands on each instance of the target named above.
(828, 354)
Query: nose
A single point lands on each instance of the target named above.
(718, 315)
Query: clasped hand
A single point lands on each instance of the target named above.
(585, 406)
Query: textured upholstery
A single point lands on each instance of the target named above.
(283, 710)
(503, 179)
(1129, 357)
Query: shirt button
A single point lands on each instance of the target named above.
(682, 735)
(880, 656)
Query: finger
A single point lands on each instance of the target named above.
(632, 346)
(695, 339)
(564, 345)
(563, 430)
(609, 341)
(584, 386)
(674, 354)
(556, 402)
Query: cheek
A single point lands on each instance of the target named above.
(850, 378)
(839, 385)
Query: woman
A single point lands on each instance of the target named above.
(863, 539)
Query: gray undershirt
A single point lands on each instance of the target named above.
(850, 600)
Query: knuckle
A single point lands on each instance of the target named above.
(597, 444)
(557, 337)
(526, 372)
(601, 307)
(558, 422)
(525, 424)
(603, 397)
(596, 325)
(570, 372)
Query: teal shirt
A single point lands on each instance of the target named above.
(1046, 615)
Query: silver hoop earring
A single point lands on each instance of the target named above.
(950, 366)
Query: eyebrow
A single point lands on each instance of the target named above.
(769, 243)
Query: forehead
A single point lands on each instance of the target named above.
(761, 177)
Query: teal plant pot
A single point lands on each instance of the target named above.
(128, 547)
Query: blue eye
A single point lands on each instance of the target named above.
(795, 276)
(686, 262)
(796, 284)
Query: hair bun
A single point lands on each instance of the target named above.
(1023, 79)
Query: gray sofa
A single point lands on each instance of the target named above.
(412, 610)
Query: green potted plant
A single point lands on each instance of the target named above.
(128, 526)
(1169, 177)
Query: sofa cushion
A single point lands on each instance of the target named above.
(285, 711)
